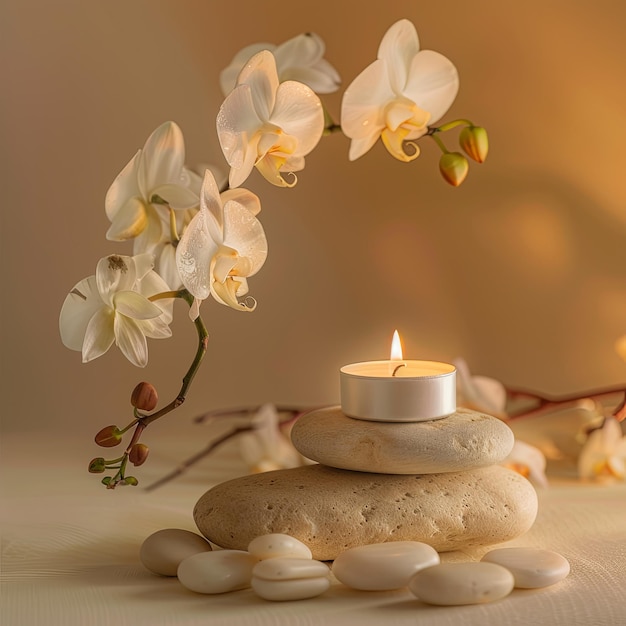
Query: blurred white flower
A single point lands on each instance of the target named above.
(113, 306)
(479, 393)
(266, 448)
(604, 452)
(222, 246)
(268, 125)
(527, 461)
(398, 95)
(155, 175)
(299, 58)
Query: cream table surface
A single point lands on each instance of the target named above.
(70, 549)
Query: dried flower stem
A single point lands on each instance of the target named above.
(547, 403)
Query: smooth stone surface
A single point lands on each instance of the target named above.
(532, 568)
(163, 551)
(278, 545)
(217, 572)
(281, 579)
(383, 566)
(464, 440)
(453, 584)
(331, 510)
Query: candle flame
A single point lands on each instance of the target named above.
(396, 347)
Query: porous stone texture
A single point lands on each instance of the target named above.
(331, 510)
(464, 440)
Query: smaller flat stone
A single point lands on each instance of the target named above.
(454, 584)
(532, 568)
(383, 566)
(462, 441)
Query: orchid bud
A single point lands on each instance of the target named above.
(475, 143)
(97, 465)
(138, 454)
(130, 480)
(453, 167)
(144, 397)
(109, 437)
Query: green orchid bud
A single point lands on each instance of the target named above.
(131, 480)
(97, 465)
(109, 437)
(106, 480)
(475, 143)
(144, 397)
(453, 167)
(138, 454)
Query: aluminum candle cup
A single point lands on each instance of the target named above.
(398, 390)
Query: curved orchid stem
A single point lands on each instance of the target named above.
(141, 421)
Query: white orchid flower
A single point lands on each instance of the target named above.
(155, 175)
(113, 307)
(604, 452)
(300, 58)
(266, 448)
(268, 125)
(222, 246)
(479, 393)
(398, 95)
(528, 461)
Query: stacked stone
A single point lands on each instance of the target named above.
(435, 481)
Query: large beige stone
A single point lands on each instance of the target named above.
(464, 440)
(331, 510)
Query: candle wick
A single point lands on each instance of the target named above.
(397, 368)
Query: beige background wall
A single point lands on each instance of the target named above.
(522, 270)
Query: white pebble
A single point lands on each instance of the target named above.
(217, 572)
(281, 579)
(163, 551)
(452, 584)
(532, 568)
(278, 545)
(383, 566)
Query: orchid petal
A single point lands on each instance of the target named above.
(261, 76)
(123, 187)
(358, 147)
(364, 100)
(79, 307)
(228, 77)
(167, 267)
(243, 196)
(130, 340)
(322, 79)
(129, 221)
(433, 83)
(115, 273)
(393, 141)
(194, 254)
(305, 50)
(156, 328)
(162, 158)
(244, 232)
(176, 196)
(237, 121)
(99, 335)
(153, 233)
(152, 284)
(299, 113)
(143, 264)
(133, 304)
(397, 48)
(210, 199)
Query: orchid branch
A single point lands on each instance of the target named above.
(136, 452)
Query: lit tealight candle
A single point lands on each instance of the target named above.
(398, 390)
